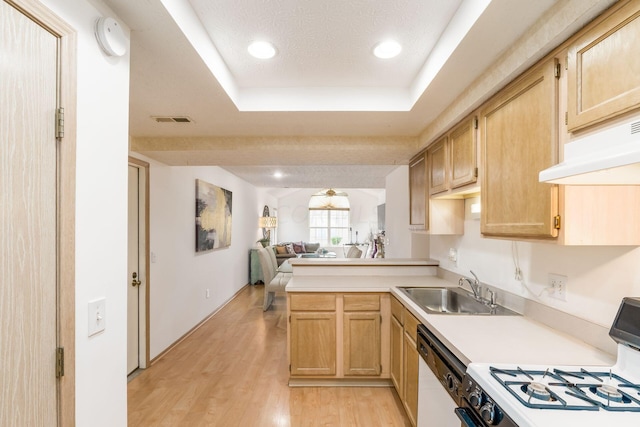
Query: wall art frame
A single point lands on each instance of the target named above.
(213, 216)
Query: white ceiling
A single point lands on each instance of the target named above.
(324, 59)
(324, 109)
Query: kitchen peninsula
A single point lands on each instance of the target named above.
(349, 324)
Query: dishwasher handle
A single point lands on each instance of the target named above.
(466, 419)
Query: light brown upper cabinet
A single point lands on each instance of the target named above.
(519, 138)
(463, 153)
(453, 160)
(434, 216)
(438, 169)
(604, 68)
(417, 191)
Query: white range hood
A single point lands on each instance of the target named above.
(609, 157)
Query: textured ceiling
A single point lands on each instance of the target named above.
(325, 43)
(324, 49)
(331, 176)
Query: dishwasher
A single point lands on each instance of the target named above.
(439, 382)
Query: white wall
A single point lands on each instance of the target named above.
(397, 214)
(293, 213)
(179, 276)
(101, 219)
(598, 277)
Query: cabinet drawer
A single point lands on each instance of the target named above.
(362, 302)
(397, 309)
(411, 325)
(313, 302)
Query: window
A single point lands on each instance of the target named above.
(329, 218)
(328, 227)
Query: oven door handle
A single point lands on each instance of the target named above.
(466, 418)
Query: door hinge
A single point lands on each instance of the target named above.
(60, 123)
(556, 222)
(59, 362)
(566, 117)
(475, 122)
(289, 368)
(475, 172)
(556, 73)
(289, 318)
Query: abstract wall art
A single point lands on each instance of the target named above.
(213, 216)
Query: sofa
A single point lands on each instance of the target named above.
(288, 250)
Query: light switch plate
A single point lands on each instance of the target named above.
(97, 316)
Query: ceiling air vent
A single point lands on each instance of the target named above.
(169, 119)
(635, 127)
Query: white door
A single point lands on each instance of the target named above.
(134, 283)
(28, 224)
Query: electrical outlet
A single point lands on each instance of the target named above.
(207, 294)
(453, 256)
(558, 285)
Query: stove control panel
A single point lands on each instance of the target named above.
(475, 398)
(489, 412)
(483, 406)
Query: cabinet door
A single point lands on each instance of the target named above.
(411, 360)
(361, 334)
(417, 189)
(462, 149)
(604, 69)
(313, 343)
(438, 167)
(518, 132)
(397, 361)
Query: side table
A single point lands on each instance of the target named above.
(255, 270)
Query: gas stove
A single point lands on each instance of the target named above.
(584, 389)
(530, 395)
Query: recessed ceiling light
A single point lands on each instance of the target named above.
(262, 50)
(277, 174)
(387, 49)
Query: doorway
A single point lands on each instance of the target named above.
(138, 284)
(37, 217)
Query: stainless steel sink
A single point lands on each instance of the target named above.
(452, 301)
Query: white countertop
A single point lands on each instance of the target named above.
(490, 339)
(328, 283)
(329, 262)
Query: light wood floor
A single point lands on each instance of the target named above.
(233, 371)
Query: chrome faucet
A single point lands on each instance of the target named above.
(474, 284)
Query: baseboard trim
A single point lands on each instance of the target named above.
(335, 382)
(195, 328)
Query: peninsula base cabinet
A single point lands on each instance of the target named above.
(315, 349)
(404, 357)
(338, 336)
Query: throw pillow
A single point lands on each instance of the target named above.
(311, 247)
(298, 248)
(289, 247)
(281, 250)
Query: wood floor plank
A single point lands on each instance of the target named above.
(232, 371)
